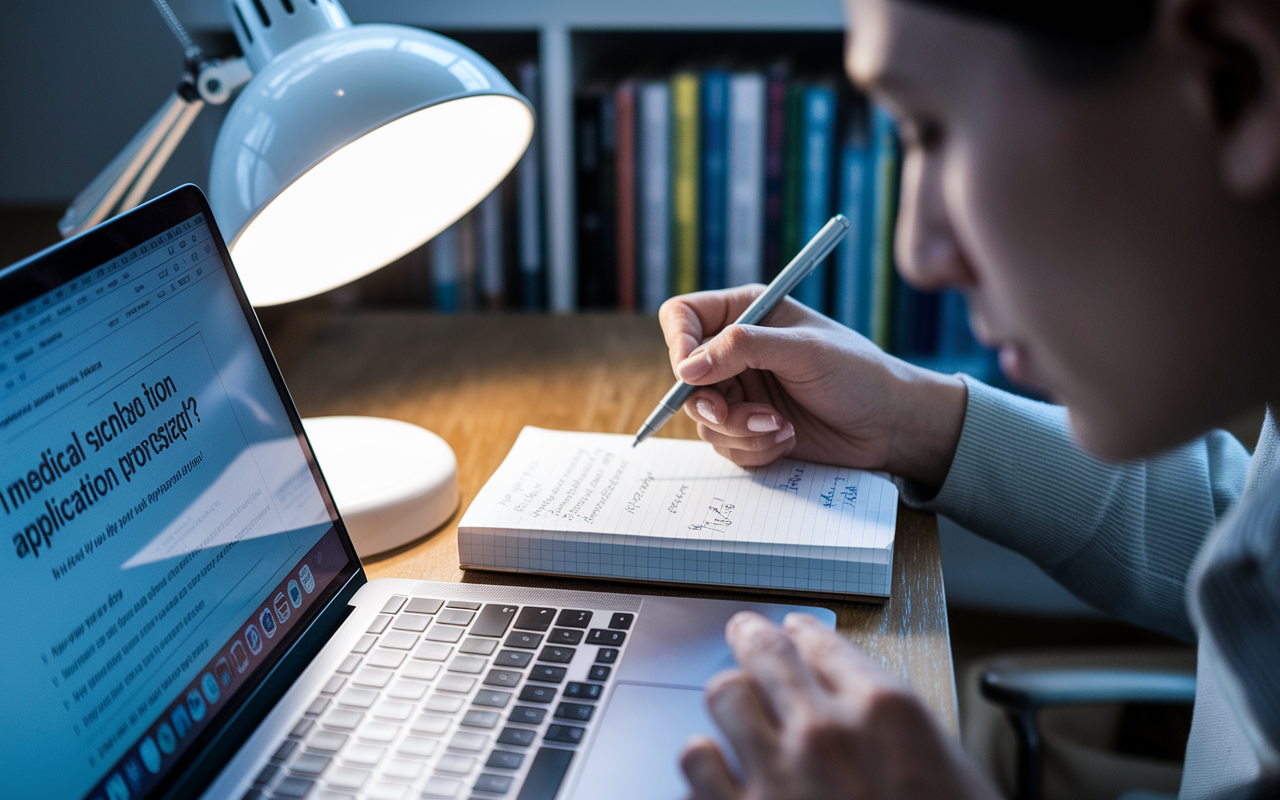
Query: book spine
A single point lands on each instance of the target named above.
(684, 107)
(467, 262)
(815, 192)
(774, 160)
(608, 203)
(792, 172)
(655, 194)
(625, 192)
(744, 224)
(851, 263)
(588, 159)
(529, 206)
(489, 245)
(444, 269)
(713, 185)
(885, 144)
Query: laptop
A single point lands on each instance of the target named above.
(187, 616)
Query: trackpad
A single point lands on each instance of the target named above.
(637, 749)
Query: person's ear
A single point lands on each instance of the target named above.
(1234, 47)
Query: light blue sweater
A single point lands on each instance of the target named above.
(1186, 543)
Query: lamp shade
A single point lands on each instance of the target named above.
(353, 147)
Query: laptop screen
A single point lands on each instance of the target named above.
(166, 532)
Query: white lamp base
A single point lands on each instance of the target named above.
(393, 481)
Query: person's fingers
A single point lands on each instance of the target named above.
(707, 771)
(743, 715)
(843, 668)
(774, 442)
(767, 654)
(707, 406)
(738, 348)
(688, 319)
(736, 420)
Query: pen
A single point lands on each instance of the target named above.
(818, 248)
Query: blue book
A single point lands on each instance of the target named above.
(853, 258)
(884, 175)
(446, 268)
(816, 148)
(714, 124)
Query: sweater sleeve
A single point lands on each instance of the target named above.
(1121, 537)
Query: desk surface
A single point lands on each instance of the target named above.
(478, 379)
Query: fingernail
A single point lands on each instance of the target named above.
(786, 433)
(762, 423)
(695, 366)
(707, 411)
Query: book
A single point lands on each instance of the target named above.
(744, 219)
(593, 153)
(792, 169)
(884, 143)
(817, 141)
(654, 203)
(489, 249)
(444, 269)
(624, 103)
(713, 129)
(467, 261)
(684, 179)
(774, 162)
(529, 205)
(674, 511)
(853, 256)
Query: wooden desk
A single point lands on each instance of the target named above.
(477, 380)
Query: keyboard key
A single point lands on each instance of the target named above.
(470, 742)
(399, 640)
(556, 655)
(497, 784)
(379, 623)
(455, 764)
(418, 747)
(343, 719)
(424, 605)
(393, 603)
(467, 604)
(317, 706)
(537, 694)
(459, 684)
(327, 741)
(578, 712)
(389, 791)
(430, 724)
(504, 759)
(358, 698)
(285, 750)
(364, 643)
(484, 697)
(403, 769)
(454, 616)
(267, 775)
(564, 636)
(310, 764)
(521, 737)
(302, 728)
(478, 647)
(365, 755)
(444, 703)
(475, 718)
(407, 690)
(432, 651)
(379, 732)
(525, 641)
(545, 674)
(348, 665)
(411, 622)
(512, 658)
(333, 685)
(534, 619)
(374, 678)
(599, 673)
(293, 787)
(606, 637)
(606, 655)
(393, 710)
(385, 658)
(501, 677)
(444, 633)
(493, 620)
(421, 670)
(569, 734)
(583, 691)
(527, 715)
(621, 622)
(471, 665)
(574, 619)
(444, 788)
(348, 778)
(545, 774)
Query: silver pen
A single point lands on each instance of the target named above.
(818, 248)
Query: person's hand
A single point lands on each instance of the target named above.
(811, 718)
(801, 384)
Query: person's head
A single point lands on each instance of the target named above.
(1108, 198)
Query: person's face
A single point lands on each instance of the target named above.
(1087, 224)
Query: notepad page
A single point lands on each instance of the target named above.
(682, 494)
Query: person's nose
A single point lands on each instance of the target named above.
(928, 253)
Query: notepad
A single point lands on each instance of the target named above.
(675, 511)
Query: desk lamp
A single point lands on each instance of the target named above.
(349, 146)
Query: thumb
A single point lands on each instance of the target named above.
(739, 348)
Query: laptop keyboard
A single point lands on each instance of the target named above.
(454, 699)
